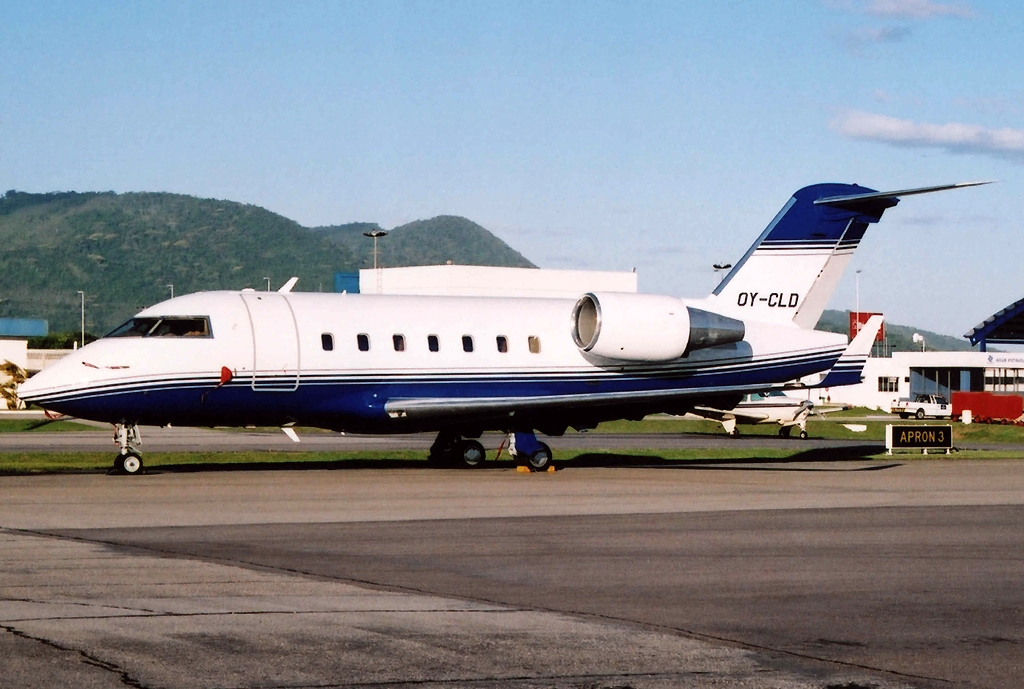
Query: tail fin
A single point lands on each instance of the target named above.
(791, 271)
(848, 368)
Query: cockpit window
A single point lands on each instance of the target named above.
(169, 326)
(135, 327)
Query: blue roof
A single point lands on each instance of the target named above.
(24, 327)
(1003, 327)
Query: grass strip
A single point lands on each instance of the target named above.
(43, 426)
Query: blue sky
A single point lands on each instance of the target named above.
(661, 136)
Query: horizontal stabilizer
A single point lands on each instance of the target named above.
(848, 369)
(885, 199)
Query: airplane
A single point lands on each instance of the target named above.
(776, 407)
(459, 366)
(770, 407)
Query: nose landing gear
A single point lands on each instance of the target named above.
(128, 460)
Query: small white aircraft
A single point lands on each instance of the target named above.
(771, 407)
(776, 407)
(463, 365)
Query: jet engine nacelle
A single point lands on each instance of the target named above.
(647, 327)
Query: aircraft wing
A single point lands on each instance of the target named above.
(827, 409)
(723, 415)
(491, 407)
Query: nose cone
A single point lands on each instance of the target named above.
(75, 376)
(28, 391)
(52, 381)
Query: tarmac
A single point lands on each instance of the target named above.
(843, 575)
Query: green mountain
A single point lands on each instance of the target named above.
(125, 250)
(899, 337)
(426, 243)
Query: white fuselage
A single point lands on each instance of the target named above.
(424, 363)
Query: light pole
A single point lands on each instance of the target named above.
(172, 289)
(718, 267)
(82, 294)
(268, 283)
(856, 328)
(376, 234)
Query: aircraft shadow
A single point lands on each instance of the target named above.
(825, 456)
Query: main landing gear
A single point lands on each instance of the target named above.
(128, 460)
(524, 446)
(451, 449)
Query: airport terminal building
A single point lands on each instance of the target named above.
(906, 374)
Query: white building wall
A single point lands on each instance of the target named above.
(867, 394)
(490, 281)
(15, 351)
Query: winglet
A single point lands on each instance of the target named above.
(848, 368)
(287, 287)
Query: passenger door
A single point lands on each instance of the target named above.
(275, 342)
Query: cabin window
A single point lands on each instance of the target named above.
(399, 341)
(502, 344)
(164, 326)
(432, 343)
(467, 343)
(534, 343)
(327, 341)
(363, 340)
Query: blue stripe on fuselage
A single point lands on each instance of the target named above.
(337, 401)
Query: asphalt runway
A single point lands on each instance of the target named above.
(820, 574)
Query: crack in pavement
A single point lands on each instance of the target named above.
(123, 675)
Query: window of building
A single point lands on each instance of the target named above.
(363, 340)
(327, 342)
(534, 343)
(432, 343)
(467, 343)
(399, 341)
(502, 344)
(888, 384)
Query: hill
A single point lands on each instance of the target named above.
(426, 243)
(124, 250)
(899, 336)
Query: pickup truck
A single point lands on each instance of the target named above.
(921, 406)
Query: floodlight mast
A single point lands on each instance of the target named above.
(375, 234)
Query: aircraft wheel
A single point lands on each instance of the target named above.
(784, 432)
(130, 463)
(541, 459)
(471, 453)
(803, 435)
(919, 415)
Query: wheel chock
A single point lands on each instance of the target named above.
(522, 469)
(551, 469)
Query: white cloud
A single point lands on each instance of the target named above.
(877, 34)
(955, 137)
(916, 9)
